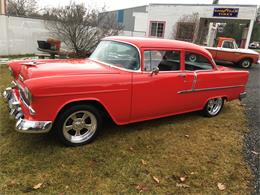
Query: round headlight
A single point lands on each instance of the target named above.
(28, 94)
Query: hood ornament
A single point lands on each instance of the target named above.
(33, 63)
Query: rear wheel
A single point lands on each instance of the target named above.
(213, 107)
(245, 63)
(78, 125)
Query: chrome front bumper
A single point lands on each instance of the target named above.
(23, 125)
(242, 95)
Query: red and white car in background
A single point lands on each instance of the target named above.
(227, 50)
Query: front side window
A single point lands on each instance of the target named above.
(228, 44)
(164, 60)
(195, 61)
(118, 54)
(157, 29)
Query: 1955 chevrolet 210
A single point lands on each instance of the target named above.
(126, 78)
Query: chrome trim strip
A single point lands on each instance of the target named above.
(13, 84)
(209, 89)
(31, 110)
(21, 78)
(32, 63)
(194, 80)
(242, 95)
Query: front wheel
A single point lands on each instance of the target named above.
(78, 125)
(213, 107)
(245, 63)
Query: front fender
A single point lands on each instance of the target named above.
(52, 94)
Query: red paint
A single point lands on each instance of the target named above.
(128, 96)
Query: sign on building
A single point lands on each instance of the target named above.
(225, 12)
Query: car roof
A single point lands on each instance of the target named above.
(226, 39)
(144, 42)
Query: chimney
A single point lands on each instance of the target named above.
(2, 7)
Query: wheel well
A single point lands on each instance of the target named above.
(104, 113)
(251, 59)
(225, 98)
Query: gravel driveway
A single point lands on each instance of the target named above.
(252, 139)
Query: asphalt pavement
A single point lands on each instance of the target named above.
(252, 139)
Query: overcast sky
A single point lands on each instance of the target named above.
(120, 4)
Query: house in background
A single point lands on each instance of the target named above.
(196, 23)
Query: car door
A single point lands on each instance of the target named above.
(227, 52)
(157, 94)
(207, 79)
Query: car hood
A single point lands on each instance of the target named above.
(48, 68)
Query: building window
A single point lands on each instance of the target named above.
(185, 31)
(120, 16)
(157, 29)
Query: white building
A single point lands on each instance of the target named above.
(188, 22)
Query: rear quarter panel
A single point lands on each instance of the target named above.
(220, 83)
(250, 56)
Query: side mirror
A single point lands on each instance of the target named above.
(155, 71)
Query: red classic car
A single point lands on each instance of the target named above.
(127, 78)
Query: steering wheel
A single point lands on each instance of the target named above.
(192, 57)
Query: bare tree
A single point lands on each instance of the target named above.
(186, 28)
(22, 7)
(80, 28)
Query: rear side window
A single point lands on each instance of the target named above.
(164, 60)
(194, 61)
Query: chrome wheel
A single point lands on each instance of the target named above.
(214, 106)
(246, 63)
(80, 126)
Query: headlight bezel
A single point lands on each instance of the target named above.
(28, 94)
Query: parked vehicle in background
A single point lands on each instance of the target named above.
(227, 50)
(254, 45)
(129, 79)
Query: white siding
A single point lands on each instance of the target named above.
(19, 35)
(140, 21)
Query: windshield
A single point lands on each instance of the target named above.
(118, 54)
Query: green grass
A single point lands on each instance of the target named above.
(204, 150)
(18, 56)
